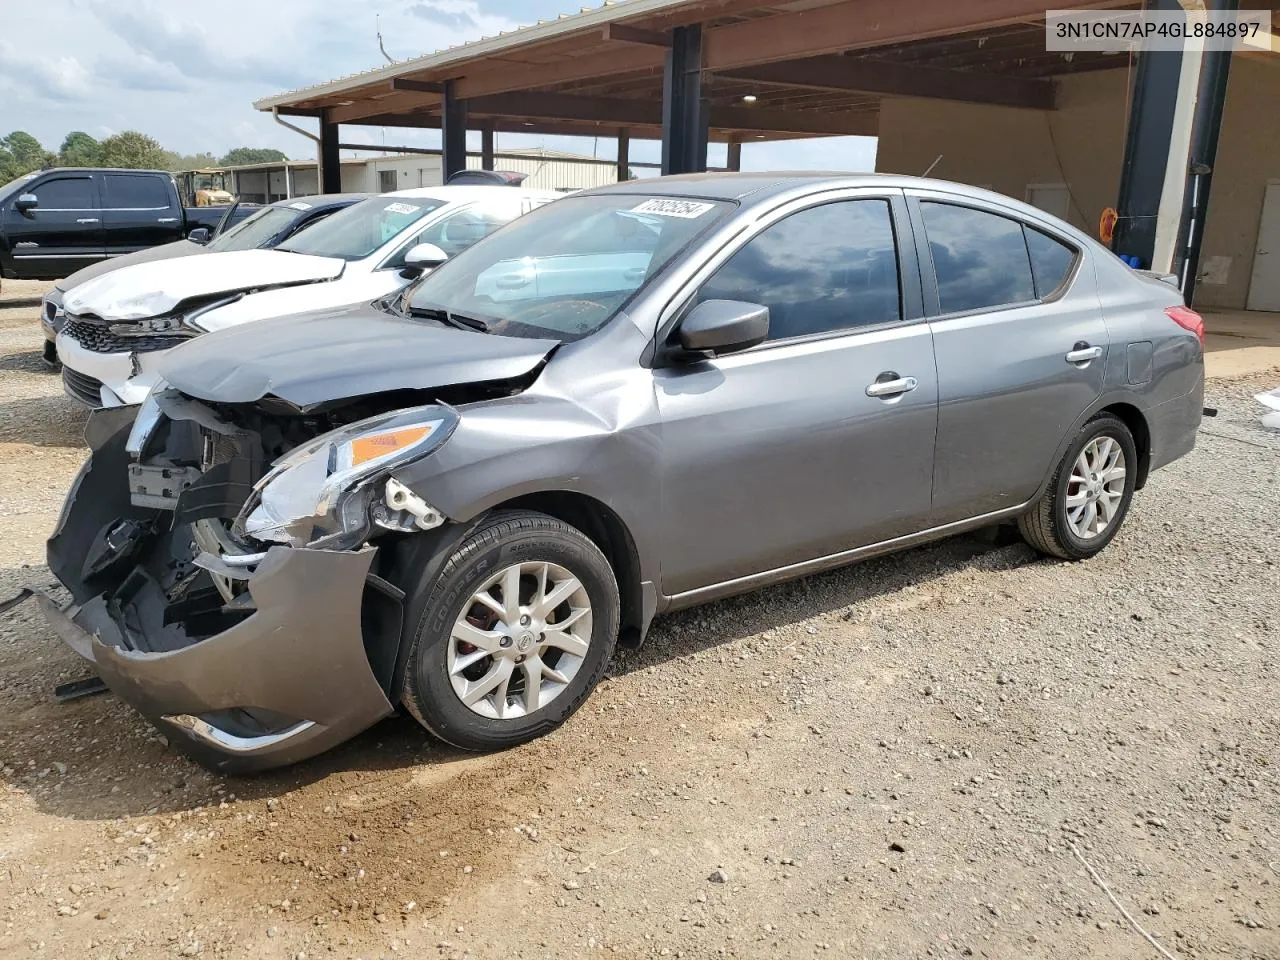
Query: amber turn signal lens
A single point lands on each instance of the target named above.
(364, 449)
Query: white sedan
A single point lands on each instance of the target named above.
(119, 325)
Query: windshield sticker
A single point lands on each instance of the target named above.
(299, 205)
(405, 208)
(684, 209)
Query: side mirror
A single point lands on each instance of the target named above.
(199, 235)
(717, 327)
(26, 202)
(424, 256)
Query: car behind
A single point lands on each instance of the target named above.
(259, 228)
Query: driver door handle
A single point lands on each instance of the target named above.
(1083, 353)
(896, 387)
(87, 220)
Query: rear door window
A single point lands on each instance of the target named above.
(825, 269)
(980, 259)
(130, 191)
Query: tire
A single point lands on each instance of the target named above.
(1047, 527)
(536, 542)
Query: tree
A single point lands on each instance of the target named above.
(189, 161)
(21, 153)
(133, 150)
(79, 150)
(242, 155)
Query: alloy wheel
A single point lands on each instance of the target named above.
(1095, 489)
(520, 639)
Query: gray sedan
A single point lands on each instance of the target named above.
(633, 400)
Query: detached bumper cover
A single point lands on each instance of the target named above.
(300, 655)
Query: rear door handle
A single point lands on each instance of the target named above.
(87, 220)
(167, 220)
(896, 387)
(1083, 353)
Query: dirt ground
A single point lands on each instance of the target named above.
(899, 759)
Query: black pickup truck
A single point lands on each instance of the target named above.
(53, 222)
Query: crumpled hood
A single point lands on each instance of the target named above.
(311, 358)
(156, 288)
(167, 251)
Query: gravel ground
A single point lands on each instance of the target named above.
(899, 759)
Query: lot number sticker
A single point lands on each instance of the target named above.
(299, 205)
(405, 208)
(684, 209)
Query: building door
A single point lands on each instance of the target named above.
(1052, 198)
(1264, 288)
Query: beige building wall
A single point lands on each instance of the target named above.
(1248, 156)
(1081, 144)
(1006, 149)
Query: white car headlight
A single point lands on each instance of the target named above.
(320, 493)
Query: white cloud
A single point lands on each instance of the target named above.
(56, 77)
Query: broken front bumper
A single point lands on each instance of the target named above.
(300, 656)
(121, 379)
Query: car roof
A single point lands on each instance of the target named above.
(323, 200)
(454, 194)
(752, 188)
(740, 186)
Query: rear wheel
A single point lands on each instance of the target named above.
(516, 632)
(1089, 494)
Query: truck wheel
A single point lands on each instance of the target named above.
(1089, 494)
(516, 632)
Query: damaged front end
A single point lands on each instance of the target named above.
(221, 572)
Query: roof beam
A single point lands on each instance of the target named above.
(625, 34)
(400, 102)
(421, 86)
(510, 77)
(620, 112)
(855, 24)
(896, 79)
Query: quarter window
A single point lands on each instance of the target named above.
(132, 192)
(828, 268)
(66, 193)
(1050, 261)
(979, 259)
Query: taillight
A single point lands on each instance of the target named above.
(1187, 319)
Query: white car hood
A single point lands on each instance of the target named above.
(154, 289)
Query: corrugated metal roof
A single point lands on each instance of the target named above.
(568, 23)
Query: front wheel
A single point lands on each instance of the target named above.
(1089, 494)
(516, 632)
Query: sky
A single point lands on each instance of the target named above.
(187, 72)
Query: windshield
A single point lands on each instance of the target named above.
(361, 228)
(253, 231)
(566, 269)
